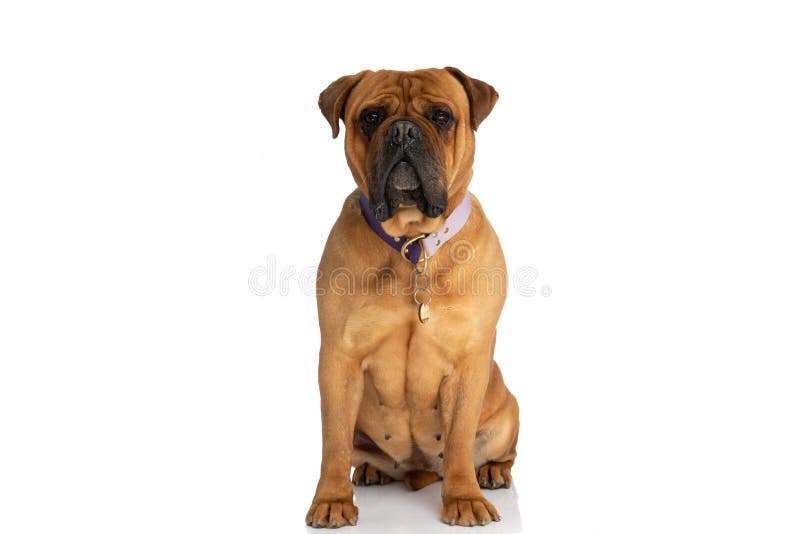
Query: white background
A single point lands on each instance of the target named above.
(643, 158)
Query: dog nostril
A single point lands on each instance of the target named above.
(402, 132)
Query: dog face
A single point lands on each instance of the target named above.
(409, 140)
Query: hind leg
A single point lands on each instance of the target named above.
(493, 475)
(372, 465)
(496, 443)
(369, 475)
(494, 460)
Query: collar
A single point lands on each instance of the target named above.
(433, 241)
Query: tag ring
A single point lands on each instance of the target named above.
(423, 255)
(419, 290)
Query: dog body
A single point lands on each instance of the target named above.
(402, 399)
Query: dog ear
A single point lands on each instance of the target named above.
(482, 96)
(334, 97)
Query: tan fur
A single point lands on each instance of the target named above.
(429, 396)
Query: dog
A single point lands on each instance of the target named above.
(408, 383)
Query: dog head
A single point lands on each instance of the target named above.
(409, 140)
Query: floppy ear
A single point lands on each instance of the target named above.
(482, 96)
(332, 99)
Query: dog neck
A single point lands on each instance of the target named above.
(432, 242)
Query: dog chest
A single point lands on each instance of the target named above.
(400, 409)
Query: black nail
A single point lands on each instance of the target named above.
(387, 436)
(438, 437)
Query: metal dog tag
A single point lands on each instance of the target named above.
(424, 312)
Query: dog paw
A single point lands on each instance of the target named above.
(368, 475)
(495, 475)
(332, 514)
(468, 512)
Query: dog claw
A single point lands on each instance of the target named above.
(469, 512)
(494, 475)
(332, 514)
(369, 475)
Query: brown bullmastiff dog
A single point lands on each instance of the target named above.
(411, 286)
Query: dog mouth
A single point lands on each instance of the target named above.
(407, 173)
(404, 188)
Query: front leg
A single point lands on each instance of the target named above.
(462, 393)
(341, 386)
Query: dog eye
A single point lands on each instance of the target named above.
(441, 117)
(371, 117)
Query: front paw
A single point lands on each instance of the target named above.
(468, 511)
(332, 513)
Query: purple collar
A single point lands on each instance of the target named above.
(433, 241)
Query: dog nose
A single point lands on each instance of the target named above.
(403, 132)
